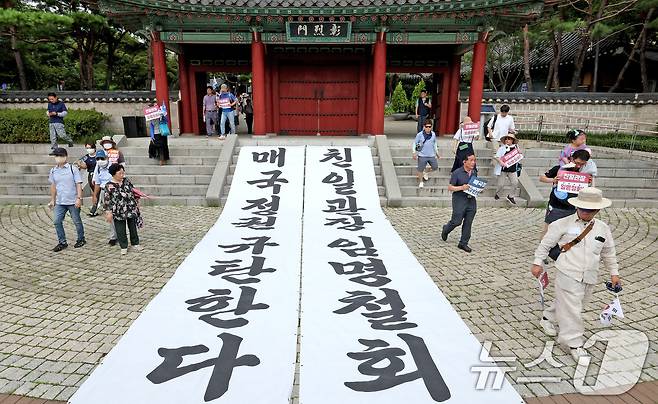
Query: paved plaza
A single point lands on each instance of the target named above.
(61, 313)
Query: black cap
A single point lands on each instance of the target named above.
(59, 151)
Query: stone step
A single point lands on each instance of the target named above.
(444, 170)
(20, 189)
(168, 169)
(175, 201)
(177, 141)
(170, 179)
(435, 180)
(25, 200)
(175, 160)
(604, 172)
(617, 163)
(443, 161)
(39, 148)
(173, 190)
(178, 151)
(26, 179)
(446, 202)
(442, 190)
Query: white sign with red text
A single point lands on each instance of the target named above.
(151, 113)
(572, 182)
(511, 158)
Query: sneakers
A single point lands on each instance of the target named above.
(138, 247)
(444, 235)
(426, 176)
(464, 247)
(59, 247)
(577, 353)
(93, 212)
(496, 197)
(80, 243)
(222, 137)
(112, 242)
(511, 200)
(548, 327)
(124, 251)
(421, 184)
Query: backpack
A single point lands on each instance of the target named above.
(486, 128)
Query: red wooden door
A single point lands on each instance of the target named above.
(319, 99)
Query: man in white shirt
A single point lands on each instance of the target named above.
(500, 125)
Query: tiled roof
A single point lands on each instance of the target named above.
(309, 3)
(10, 97)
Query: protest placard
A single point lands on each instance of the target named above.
(511, 158)
(152, 113)
(470, 131)
(572, 182)
(476, 186)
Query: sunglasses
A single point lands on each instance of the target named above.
(428, 126)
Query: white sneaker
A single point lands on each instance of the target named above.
(124, 251)
(421, 184)
(222, 137)
(577, 353)
(426, 176)
(549, 328)
(138, 247)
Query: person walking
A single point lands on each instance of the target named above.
(500, 125)
(100, 177)
(226, 101)
(463, 144)
(56, 113)
(114, 155)
(464, 206)
(584, 241)
(209, 108)
(249, 115)
(425, 151)
(88, 162)
(121, 208)
(65, 196)
(423, 110)
(159, 144)
(510, 143)
(577, 139)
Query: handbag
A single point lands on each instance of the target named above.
(555, 252)
(164, 129)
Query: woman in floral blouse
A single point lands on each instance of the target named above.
(120, 205)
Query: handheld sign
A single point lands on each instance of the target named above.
(511, 158)
(572, 182)
(470, 131)
(476, 186)
(151, 113)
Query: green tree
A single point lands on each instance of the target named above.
(399, 101)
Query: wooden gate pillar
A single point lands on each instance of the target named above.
(477, 78)
(160, 67)
(258, 83)
(185, 101)
(378, 82)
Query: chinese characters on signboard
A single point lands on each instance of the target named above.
(319, 31)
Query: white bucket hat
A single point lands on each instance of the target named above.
(590, 198)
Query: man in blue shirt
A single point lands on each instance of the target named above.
(425, 150)
(463, 204)
(65, 196)
(56, 112)
(226, 101)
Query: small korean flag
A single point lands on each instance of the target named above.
(610, 310)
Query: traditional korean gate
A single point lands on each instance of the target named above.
(319, 99)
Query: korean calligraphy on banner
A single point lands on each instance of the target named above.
(224, 328)
(375, 328)
(572, 182)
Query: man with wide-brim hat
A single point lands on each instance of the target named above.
(584, 242)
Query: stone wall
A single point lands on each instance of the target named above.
(113, 104)
(596, 113)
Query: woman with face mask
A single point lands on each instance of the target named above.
(113, 153)
(88, 161)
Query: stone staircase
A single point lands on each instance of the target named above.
(183, 180)
(24, 172)
(435, 192)
(337, 142)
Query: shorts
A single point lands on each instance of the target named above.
(553, 214)
(423, 161)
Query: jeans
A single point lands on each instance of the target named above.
(57, 130)
(122, 237)
(463, 209)
(230, 115)
(58, 218)
(211, 121)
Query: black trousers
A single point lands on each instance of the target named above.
(463, 210)
(122, 237)
(249, 118)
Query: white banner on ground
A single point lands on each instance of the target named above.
(375, 328)
(224, 328)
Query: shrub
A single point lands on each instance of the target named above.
(31, 125)
(613, 140)
(399, 101)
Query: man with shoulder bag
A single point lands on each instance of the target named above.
(583, 242)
